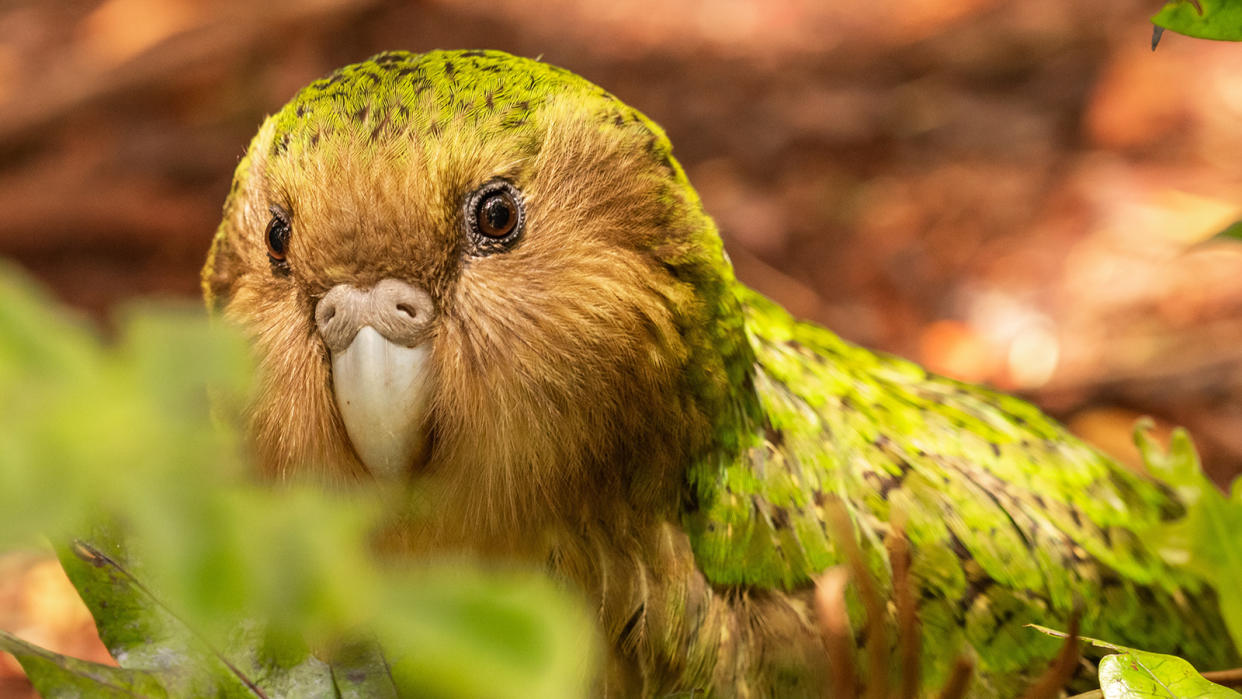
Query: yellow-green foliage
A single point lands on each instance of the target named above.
(1207, 539)
(1206, 19)
(101, 437)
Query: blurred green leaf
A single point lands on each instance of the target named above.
(1137, 674)
(1178, 467)
(203, 583)
(1231, 233)
(142, 633)
(1205, 539)
(54, 675)
(360, 671)
(1203, 19)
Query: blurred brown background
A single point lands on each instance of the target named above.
(1008, 192)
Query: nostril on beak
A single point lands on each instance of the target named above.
(401, 312)
(325, 311)
(337, 315)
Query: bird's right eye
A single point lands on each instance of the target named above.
(277, 236)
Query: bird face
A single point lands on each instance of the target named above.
(472, 267)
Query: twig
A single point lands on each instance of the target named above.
(1058, 674)
(1228, 678)
(959, 678)
(834, 629)
(908, 636)
(873, 604)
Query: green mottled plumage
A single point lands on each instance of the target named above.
(704, 523)
(1013, 519)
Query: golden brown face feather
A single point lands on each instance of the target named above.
(560, 364)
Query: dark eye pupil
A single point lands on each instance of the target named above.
(497, 216)
(277, 238)
(498, 213)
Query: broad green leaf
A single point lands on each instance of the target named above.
(1179, 467)
(142, 632)
(122, 432)
(1205, 540)
(55, 676)
(1203, 19)
(360, 671)
(454, 632)
(38, 344)
(1137, 674)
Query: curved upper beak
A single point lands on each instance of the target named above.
(381, 372)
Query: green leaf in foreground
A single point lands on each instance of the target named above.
(1137, 674)
(1203, 19)
(360, 671)
(1205, 539)
(447, 631)
(224, 587)
(54, 675)
(1232, 232)
(143, 633)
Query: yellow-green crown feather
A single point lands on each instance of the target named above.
(397, 95)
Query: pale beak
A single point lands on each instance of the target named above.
(381, 371)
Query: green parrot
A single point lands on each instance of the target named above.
(488, 278)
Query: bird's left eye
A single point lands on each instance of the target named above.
(277, 236)
(495, 215)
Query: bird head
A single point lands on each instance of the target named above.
(484, 271)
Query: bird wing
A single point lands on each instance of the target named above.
(1012, 520)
